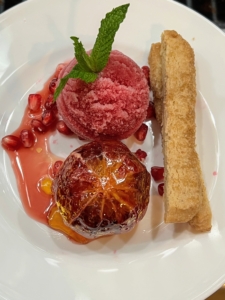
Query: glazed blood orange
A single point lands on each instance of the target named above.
(102, 189)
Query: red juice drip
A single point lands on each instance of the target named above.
(32, 164)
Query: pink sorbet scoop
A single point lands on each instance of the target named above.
(112, 107)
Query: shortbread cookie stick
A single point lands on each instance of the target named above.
(185, 198)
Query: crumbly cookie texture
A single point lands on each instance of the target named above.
(172, 64)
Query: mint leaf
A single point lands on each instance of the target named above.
(82, 57)
(106, 35)
(87, 66)
(88, 77)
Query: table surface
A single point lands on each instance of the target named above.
(214, 10)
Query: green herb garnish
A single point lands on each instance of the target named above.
(88, 67)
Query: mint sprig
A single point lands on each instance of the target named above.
(107, 31)
(81, 55)
(88, 67)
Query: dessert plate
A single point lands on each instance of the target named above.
(155, 260)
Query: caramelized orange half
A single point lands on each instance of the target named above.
(102, 189)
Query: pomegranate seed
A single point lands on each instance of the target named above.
(56, 167)
(81, 138)
(34, 102)
(27, 138)
(146, 71)
(141, 155)
(150, 110)
(11, 142)
(49, 103)
(161, 189)
(62, 128)
(141, 133)
(48, 117)
(157, 173)
(38, 125)
(52, 85)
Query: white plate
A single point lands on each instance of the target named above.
(155, 261)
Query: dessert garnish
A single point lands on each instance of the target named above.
(88, 67)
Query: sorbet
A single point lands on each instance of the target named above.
(112, 107)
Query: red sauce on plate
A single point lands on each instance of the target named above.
(31, 165)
